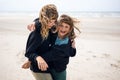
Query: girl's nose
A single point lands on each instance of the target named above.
(54, 23)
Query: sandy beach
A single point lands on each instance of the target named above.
(98, 52)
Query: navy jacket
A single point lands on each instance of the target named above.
(36, 47)
(59, 56)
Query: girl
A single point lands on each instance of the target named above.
(61, 50)
(39, 41)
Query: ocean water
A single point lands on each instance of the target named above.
(92, 14)
(92, 21)
(74, 14)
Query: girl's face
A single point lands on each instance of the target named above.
(63, 30)
(51, 23)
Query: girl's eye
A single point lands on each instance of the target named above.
(60, 25)
(52, 21)
(66, 26)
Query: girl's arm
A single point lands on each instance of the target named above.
(72, 48)
(32, 27)
(32, 45)
(31, 50)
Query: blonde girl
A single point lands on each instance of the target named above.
(39, 40)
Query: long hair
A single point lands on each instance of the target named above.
(68, 20)
(47, 13)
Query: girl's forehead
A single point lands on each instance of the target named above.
(53, 20)
(63, 23)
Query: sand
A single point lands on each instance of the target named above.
(98, 52)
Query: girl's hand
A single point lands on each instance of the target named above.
(26, 65)
(31, 27)
(41, 63)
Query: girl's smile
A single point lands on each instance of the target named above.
(63, 30)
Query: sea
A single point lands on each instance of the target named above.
(108, 21)
(71, 13)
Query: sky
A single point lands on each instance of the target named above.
(62, 5)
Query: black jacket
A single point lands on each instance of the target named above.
(36, 47)
(59, 56)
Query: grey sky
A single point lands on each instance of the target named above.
(62, 5)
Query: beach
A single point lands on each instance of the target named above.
(98, 52)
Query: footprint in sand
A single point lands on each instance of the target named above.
(117, 65)
(105, 55)
(118, 61)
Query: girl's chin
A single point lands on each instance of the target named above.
(62, 35)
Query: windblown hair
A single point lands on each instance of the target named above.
(47, 13)
(68, 20)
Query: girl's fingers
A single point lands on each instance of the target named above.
(43, 66)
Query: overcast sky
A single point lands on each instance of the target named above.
(62, 5)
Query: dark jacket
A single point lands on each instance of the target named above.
(37, 47)
(59, 56)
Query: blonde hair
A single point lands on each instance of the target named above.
(68, 20)
(47, 13)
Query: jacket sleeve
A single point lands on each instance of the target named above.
(37, 24)
(56, 53)
(72, 52)
(36, 19)
(33, 43)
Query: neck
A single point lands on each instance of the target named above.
(61, 37)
